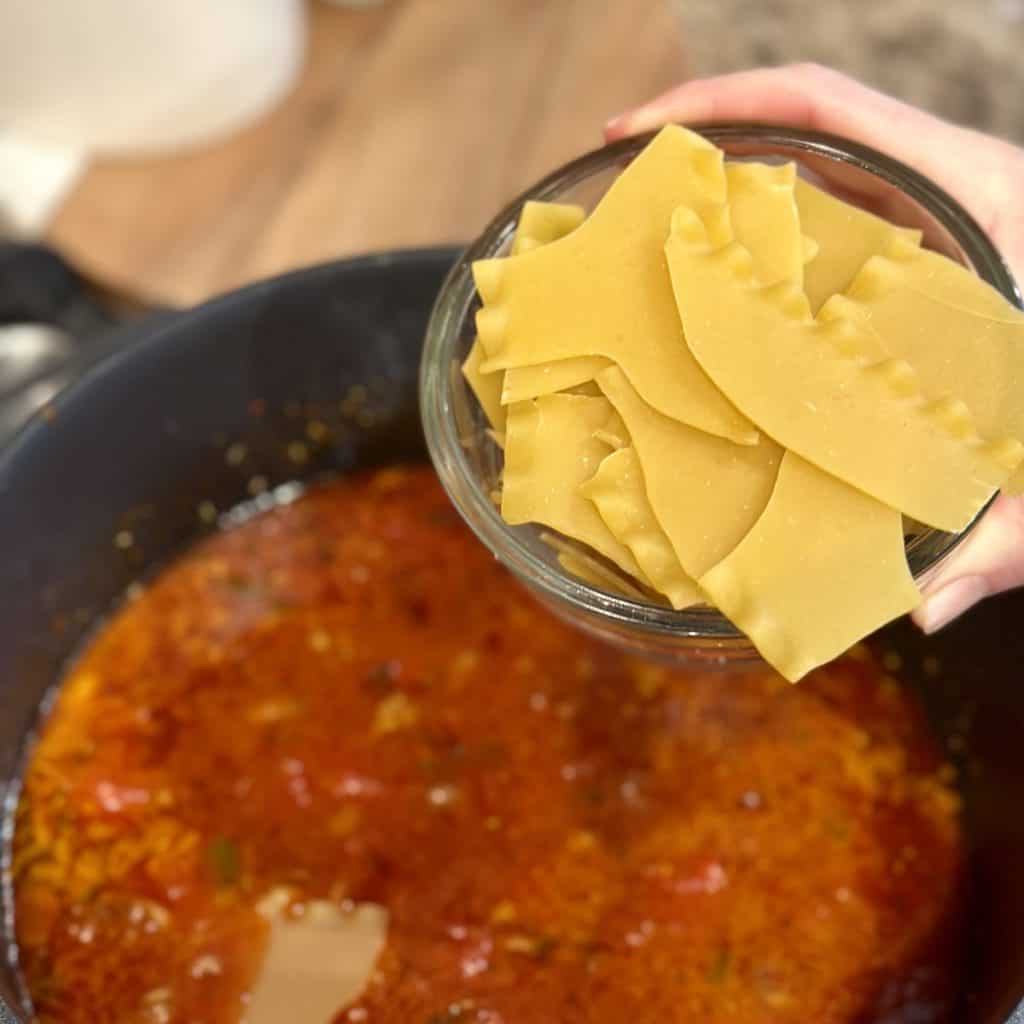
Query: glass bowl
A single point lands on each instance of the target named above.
(468, 462)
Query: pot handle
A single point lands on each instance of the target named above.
(39, 286)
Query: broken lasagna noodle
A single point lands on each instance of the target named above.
(738, 319)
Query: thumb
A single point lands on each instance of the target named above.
(811, 96)
(989, 561)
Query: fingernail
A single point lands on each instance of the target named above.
(643, 119)
(952, 600)
(617, 126)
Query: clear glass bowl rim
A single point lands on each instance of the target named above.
(439, 423)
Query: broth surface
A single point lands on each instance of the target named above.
(347, 699)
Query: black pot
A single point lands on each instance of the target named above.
(110, 482)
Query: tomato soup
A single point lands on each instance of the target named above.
(345, 701)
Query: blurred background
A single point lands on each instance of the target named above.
(172, 149)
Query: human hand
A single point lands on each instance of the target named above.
(985, 174)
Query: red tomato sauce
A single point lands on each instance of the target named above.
(347, 696)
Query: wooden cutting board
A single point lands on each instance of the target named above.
(412, 123)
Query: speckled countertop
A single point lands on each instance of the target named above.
(963, 59)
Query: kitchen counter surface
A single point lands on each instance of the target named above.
(413, 122)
